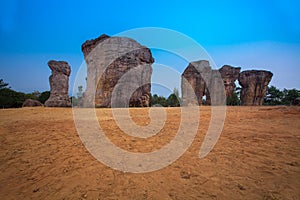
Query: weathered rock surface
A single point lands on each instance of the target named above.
(118, 72)
(32, 103)
(192, 82)
(59, 84)
(229, 75)
(199, 80)
(254, 86)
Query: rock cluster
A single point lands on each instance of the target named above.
(119, 75)
(59, 84)
(118, 72)
(31, 103)
(200, 80)
(254, 86)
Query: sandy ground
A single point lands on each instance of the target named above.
(256, 157)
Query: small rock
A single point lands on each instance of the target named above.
(185, 174)
(36, 190)
(241, 187)
(31, 103)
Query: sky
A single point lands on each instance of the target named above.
(248, 34)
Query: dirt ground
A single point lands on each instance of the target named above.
(256, 157)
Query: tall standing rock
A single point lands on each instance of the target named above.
(192, 82)
(59, 84)
(254, 86)
(229, 75)
(120, 66)
(199, 80)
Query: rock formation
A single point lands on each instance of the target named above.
(31, 103)
(117, 65)
(59, 84)
(229, 75)
(192, 82)
(254, 86)
(199, 80)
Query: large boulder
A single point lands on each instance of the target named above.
(117, 65)
(254, 86)
(31, 103)
(229, 75)
(59, 84)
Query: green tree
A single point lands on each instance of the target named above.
(44, 96)
(156, 100)
(274, 96)
(3, 84)
(174, 100)
(233, 100)
(11, 99)
(289, 96)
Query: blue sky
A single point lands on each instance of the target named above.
(250, 34)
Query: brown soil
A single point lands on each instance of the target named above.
(256, 157)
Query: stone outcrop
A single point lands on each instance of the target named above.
(199, 80)
(31, 103)
(192, 82)
(229, 75)
(254, 86)
(118, 72)
(59, 84)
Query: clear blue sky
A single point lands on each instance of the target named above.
(250, 34)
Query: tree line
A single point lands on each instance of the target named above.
(10, 98)
(13, 99)
(274, 96)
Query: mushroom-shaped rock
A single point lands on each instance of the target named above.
(254, 86)
(118, 72)
(59, 84)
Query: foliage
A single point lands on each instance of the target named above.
(277, 97)
(289, 96)
(12, 99)
(156, 100)
(44, 96)
(3, 84)
(172, 101)
(274, 96)
(234, 100)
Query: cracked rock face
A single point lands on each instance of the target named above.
(254, 86)
(199, 80)
(192, 82)
(118, 72)
(229, 75)
(59, 84)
